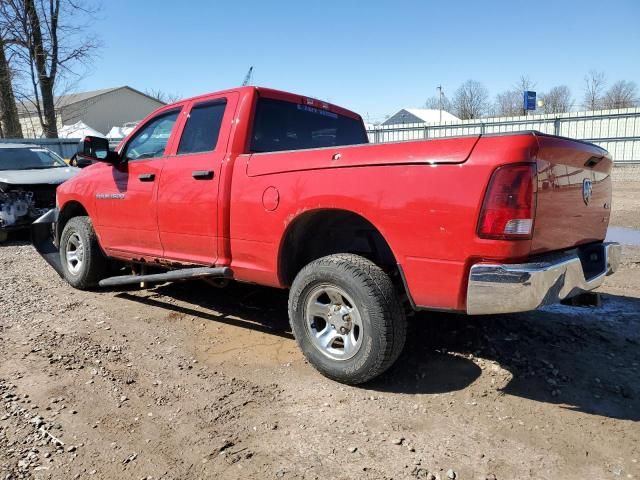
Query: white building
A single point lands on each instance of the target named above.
(99, 109)
(420, 115)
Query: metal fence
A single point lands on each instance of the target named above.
(65, 147)
(618, 131)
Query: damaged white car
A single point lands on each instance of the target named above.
(29, 176)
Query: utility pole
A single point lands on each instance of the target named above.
(439, 88)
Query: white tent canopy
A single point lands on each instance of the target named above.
(116, 133)
(78, 130)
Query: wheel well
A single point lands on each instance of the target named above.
(325, 232)
(70, 210)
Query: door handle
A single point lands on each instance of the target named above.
(147, 177)
(202, 174)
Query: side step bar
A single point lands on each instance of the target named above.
(170, 276)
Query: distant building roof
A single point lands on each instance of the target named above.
(420, 115)
(72, 98)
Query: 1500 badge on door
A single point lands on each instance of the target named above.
(110, 196)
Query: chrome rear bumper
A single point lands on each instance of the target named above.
(505, 288)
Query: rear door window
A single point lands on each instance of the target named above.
(281, 125)
(203, 127)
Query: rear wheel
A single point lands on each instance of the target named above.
(347, 318)
(83, 263)
(4, 236)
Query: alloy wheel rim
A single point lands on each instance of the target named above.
(333, 322)
(74, 253)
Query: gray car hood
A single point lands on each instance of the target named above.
(52, 176)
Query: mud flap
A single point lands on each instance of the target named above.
(43, 232)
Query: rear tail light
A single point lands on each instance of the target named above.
(509, 206)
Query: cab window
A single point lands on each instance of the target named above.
(203, 127)
(281, 125)
(151, 140)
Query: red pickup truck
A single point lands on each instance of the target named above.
(278, 189)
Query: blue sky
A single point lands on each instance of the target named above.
(373, 57)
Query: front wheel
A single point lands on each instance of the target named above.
(347, 318)
(83, 262)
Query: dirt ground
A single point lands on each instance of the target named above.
(626, 202)
(186, 381)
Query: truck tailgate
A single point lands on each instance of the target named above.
(574, 194)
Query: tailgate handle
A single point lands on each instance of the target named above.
(147, 177)
(202, 174)
(593, 161)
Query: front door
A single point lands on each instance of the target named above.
(126, 201)
(188, 189)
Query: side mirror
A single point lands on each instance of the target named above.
(97, 150)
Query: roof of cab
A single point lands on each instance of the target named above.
(270, 92)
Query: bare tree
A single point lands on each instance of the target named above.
(9, 119)
(523, 84)
(471, 100)
(434, 103)
(508, 104)
(593, 90)
(50, 48)
(622, 94)
(557, 100)
(162, 96)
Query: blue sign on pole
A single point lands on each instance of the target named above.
(529, 100)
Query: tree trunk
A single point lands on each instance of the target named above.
(48, 107)
(46, 80)
(11, 127)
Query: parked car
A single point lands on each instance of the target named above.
(29, 176)
(282, 190)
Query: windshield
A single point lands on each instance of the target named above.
(29, 159)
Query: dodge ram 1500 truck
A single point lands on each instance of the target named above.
(282, 190)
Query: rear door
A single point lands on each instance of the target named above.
(126, 198)
(188, 189)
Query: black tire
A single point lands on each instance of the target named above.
(94, 265)
(4, 236)
(384, 325)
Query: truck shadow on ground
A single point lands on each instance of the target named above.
(581, 359)
(257, 308)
